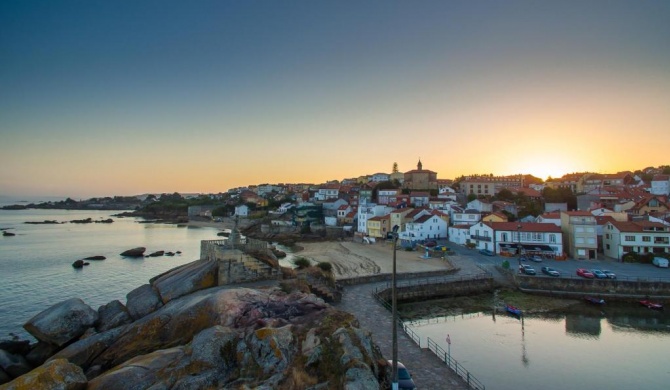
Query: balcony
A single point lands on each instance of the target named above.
(480, 238)
(661, 240)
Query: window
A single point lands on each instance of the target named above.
(579, 230)
(646, 238)
(629, 238)
(607, 246)
(552, 238)
(579, 240)
(607, 236)
(504, 237)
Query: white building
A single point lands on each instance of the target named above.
(642, 237)
(480, 205)
(529, 238)
(242, 211)
(467, 217)
(423, 228)
(459, 234)
(660, 185)
(369, 210)
(380, 177)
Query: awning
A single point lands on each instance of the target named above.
(537, 248)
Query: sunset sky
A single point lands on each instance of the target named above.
(103, 98)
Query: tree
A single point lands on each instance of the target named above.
(395, 168)
(472, 197)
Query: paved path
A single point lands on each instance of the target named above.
(428, 371)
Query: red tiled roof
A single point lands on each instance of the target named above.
(602, 220)
(424, 218)
(552, 215)
(638, 226)
(578, 213)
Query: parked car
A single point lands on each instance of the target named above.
(660, 262)
(584, 273)
(405, 381)
(550, 271)
(430, 244)
(486, 252)
(610, 274)
(536, 258)
(598, 274)
(527, 269)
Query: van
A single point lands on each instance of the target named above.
(660, 262)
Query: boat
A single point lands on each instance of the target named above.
(595, 301)
(651, 305)
(513, 310)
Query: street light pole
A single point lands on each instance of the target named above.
(394, 381)
(518, 242)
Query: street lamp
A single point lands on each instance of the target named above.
(518, 242)
(394, 380)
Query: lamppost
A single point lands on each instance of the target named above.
(518, 242)
(394, 380)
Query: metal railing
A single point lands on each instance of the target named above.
(445, 356)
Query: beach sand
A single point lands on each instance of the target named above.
(350, 259)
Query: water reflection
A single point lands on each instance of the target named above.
(624, 343)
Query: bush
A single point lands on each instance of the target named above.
(505, 264)
(325, 266)
(302, 262)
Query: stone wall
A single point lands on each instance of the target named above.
(235, 265)
(433, 289)
(574, 286)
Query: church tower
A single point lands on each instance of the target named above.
(419, 166)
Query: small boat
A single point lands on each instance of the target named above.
(651, 305)
(595, 301)
(513, 310)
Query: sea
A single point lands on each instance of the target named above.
(36, 263)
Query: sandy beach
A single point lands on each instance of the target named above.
(350, 259)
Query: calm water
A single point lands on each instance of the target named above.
(617, 347)
(36, 264)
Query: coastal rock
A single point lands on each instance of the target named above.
(4, 377)
(135, 252)
(40, 352)
(198, 275)
(142, 301)
(87, 220)
(108, 220)
(84, 351)
(78, 264)
(56, 374)
(112, 315)
(98, 257)
(8, 234)
(20, 347)
(62, 322)
(157, 254)
(14, 365)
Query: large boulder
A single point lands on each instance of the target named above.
(83, 352)
(56, 374)
(198, 275)
(135, 252)
(14, 365)
(112, 315)
(62, 322)
(142, 301)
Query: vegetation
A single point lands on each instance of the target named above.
(302, 263)
(634, 257)
(325, 266)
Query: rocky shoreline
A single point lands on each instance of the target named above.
(182, 330)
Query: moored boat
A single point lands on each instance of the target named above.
(651, 305)
(513, 310)
(595, 301)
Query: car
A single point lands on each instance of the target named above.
(598, 274)
(550, 271)
(536, 258)
(430, 244)
(486, 252)
(584, 273)
(610, 274)
(527, 269)
(405, 381)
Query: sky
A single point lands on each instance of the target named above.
(101, 98)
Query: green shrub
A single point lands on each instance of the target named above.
(505, 264)
(325, 266)
(302, 262)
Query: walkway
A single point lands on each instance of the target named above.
(428, 371)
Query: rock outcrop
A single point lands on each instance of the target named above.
(135, 252)
(62, 322)
(184, 332)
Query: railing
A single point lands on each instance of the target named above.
(470, 379)
(480, 238)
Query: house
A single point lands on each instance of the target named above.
(423, 228)
(387, 196)
(639, 237)
(495, 217)
(579, 234)
(365, 193)
(489, 185)
(380, 177)
(330, 207)
(399, 218)
(378, 227)
(419, 199)
(342, 213)
(514, 237)
(327, 191)
(480, 205)
(467, 217)
(650, 204)
(459, 234)
(554, 218)
(370, 210)
(242, 211)
(660, 185)
(508, 207)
